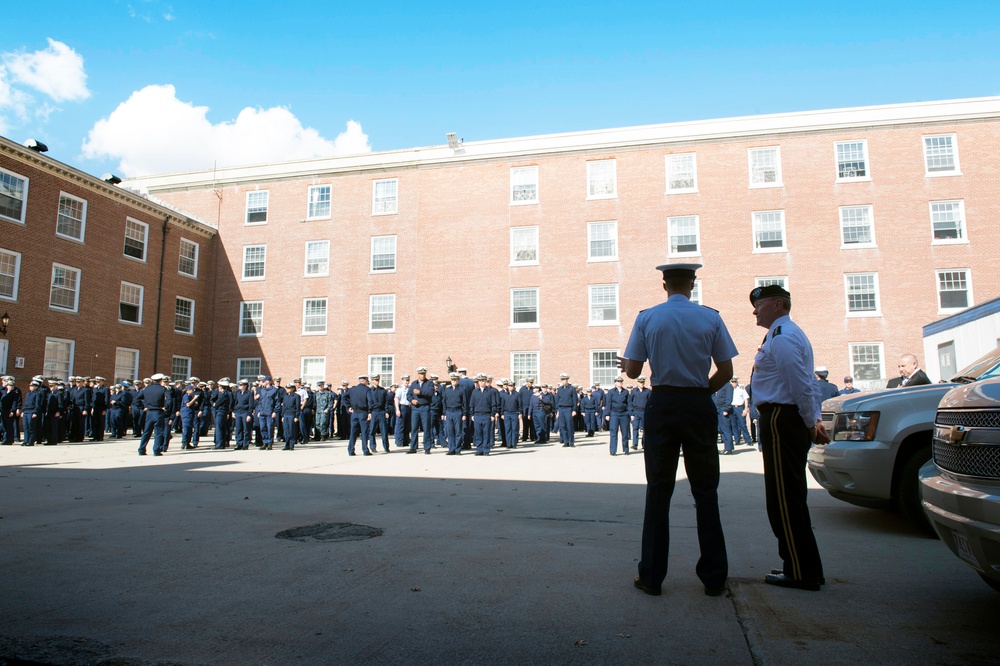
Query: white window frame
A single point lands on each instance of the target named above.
(48, 370)
(528, 230)
(671, 167)
(134, 370)
(590, 306)
(82, 220)
(385, 204)
(76, 291)
(310, 203)
(764, 280)
(192, 302)
(778, 181)
(371, 313)
(322, 264)
(262, 262)
(521, 177)
(257, 207)
(380, 370)
(305, 315)
(963, 232)
(395, 254)
(24, 195)
(16, 275)
(870, 213)
(670, 236)
(593, 368)
(696, 296)
(754, 226)
(244, 305)
(242, 361)
(968, 289)
(145, 239)
(181, 257)
(957, 171)
(591, 182)
(864, 159)
(590, 241)
(309, 377)
(877, 312)
(881, 360)
(532, 369)
(532, 324)
(173, 367)
(142, 297)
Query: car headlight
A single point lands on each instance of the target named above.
(855, 426)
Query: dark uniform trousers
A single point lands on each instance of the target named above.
(785, 444)
(672, 420)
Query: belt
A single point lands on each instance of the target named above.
(770, 406)
(692, 390)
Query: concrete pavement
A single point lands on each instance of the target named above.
(524, 556)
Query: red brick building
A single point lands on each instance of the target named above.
(97, 280)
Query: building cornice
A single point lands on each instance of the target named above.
(525, 148)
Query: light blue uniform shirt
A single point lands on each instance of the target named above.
(680, 340)
(783, 371)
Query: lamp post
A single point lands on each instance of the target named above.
(4, 321)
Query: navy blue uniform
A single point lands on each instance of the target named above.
(510, 405)
(378, 407)
(222, 407)
(637, 407)
(455, 406)
(481, 408)
(291, 409)
(420, 416)
(267, 412)
(356, 400)
(618, 417)
(156, 404)
(566, 406)
(243, 408)
(32, 408)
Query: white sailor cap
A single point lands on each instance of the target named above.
(678, 270)
(564, 375)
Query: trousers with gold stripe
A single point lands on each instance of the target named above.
(785, 444)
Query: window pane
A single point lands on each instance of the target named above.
(866, 361)
(318, 258)
(11, 196)
(861, 294)
(248, 368)
(314, 316)
(524, 244)
(524, 184)
(764, 166)
(851, 160)
(523, 365)
(603, 240)
(953, 288)
(184, 315)
(768, 230)
(180, 368)
(939, 153)
(856, 225)
(603, 303)
(384, 197)
(319, 201)
(603, 368)
(64, 287)
(683, 234)
(126, 363)
(601, 178)
(384, 253)
(58, 358)
(9, 270)
(946, 220)
(135, 239)
(130, 303)
(71, 217)
(257, 207)
(252, 318)
(680, 172)
(253, 261)
(187, 264)
(524, 305)
(383, 312)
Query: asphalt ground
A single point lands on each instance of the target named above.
(526, 556)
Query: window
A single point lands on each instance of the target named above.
(683, 233)
(10, 274)
(254, 257)
(696, 293)
(257, 207)
(126, 364)
(852, 160)
(866, 361)
(384, 200)
(319, 202)
(862, 294)
(65, 291)
(13, 195)
(603, 304)
(130, 304)
(603, 366)
(59, 358)
(941, 155)
(856, 228)
(382, 365)
(314, 316)
(383, 254)
(780, 280)
(769, 231)
(184, 315)
(248, 368)
(317, 258)
(71, 222)
(180, 368)
(524, 246)
(954, 290)
(524, 185)
(602, 238)
(252, 318)
(948, 222)
(522, 366)
(682, 173)
(135, 239)
(765, 167)
(524, 308)
(187, 262)
(382, 313)
(602, 181)
(313, 369)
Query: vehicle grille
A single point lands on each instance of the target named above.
(973, 418)
(974, 460)
(827, 418)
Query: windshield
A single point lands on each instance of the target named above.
(983, 368)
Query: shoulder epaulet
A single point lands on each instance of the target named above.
(777, 331)
(712, 309)
(641, 311)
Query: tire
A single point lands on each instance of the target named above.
(992, 583)
(908, 490)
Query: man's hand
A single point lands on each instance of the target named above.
(818, 434)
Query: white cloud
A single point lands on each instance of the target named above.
(154, 132)
(56, 71)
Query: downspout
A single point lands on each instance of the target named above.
(159, 296)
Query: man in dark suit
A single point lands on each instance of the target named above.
(910, 373)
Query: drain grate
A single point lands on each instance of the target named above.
(329, 532)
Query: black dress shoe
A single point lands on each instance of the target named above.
(613, 453)
(409, 452)
(715, 591)
(427, 452)
(822, 579)
(652, 591)
(781, 580)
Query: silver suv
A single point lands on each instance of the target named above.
(879, 442)
(961, 488)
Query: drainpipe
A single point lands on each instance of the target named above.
(159, 296)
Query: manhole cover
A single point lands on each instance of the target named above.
(330, 532)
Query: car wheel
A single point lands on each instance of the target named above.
(908, 490)
(992, 583)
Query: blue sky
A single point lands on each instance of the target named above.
(313, 78)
